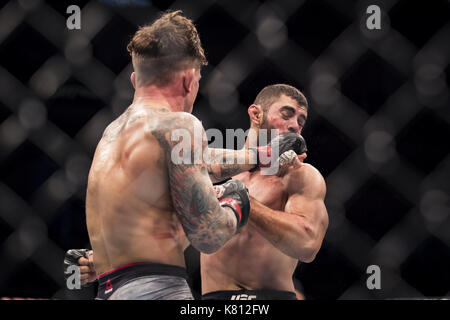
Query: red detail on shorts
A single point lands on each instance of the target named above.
(108, 285)
(234, 204)
(122, 267)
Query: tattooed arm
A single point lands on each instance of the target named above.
(281, 152)
(226, 163)
(206, 224)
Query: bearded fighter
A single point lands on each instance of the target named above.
(147, 199)
(287, 221)
(288, 217)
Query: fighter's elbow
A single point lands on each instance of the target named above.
(310, 245)
(207, 247)
(308, 254)
(204, 247)
(210, 238)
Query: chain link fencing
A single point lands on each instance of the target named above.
(377, 130)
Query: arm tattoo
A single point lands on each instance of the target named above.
(226, 171)
(224, 163)
(206, 224)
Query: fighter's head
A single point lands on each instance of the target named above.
(168, 53)
(281, 107)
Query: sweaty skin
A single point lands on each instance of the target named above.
(140, 207)
(129, 212)
(287, 222)
(249, 260)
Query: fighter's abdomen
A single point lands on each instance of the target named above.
(249, 261)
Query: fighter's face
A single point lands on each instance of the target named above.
(286, 115)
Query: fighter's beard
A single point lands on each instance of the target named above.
(267, 128)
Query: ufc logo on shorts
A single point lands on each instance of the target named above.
(242, 297)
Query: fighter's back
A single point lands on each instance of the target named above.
(129, 211)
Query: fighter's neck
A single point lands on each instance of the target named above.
(158, 99)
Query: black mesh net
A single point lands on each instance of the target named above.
(378, 127)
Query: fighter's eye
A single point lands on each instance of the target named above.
(286, 115)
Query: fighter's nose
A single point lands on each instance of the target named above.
(302, 156)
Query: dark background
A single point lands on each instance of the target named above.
(378, 128)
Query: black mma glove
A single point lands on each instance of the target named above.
(71, 258)
(235, 196)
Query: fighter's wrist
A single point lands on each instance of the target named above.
(236, 198)
(262, 152)
(234, 206)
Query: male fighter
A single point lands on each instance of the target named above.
(288, 218)
(287, 222)
(143, 208)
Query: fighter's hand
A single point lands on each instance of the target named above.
(84, 258)
(282, 143)
(290, 159)
(234, 194)
(87, 269)
(219, 189)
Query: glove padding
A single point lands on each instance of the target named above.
(285, 142)
(71, 258)
(235, 196)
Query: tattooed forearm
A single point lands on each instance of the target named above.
(224, 164)
(218, 173)
(207, 225)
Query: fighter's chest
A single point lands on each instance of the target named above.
(269, 190)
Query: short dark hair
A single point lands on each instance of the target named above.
(267, 96)
(171, 43)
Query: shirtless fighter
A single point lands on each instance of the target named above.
(288, 218)
(142, 208)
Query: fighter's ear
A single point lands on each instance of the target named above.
(133, 79)
(188, 79)
(255, 113)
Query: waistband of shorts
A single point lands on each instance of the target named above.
(262, 294)
(134, 270)
(111, 280)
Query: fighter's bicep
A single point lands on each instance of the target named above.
(191, 189)
(188, 176)
(312, 217)
(303, 206)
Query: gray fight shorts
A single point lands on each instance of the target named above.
(144, 281)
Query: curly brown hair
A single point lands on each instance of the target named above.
(171, 43)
